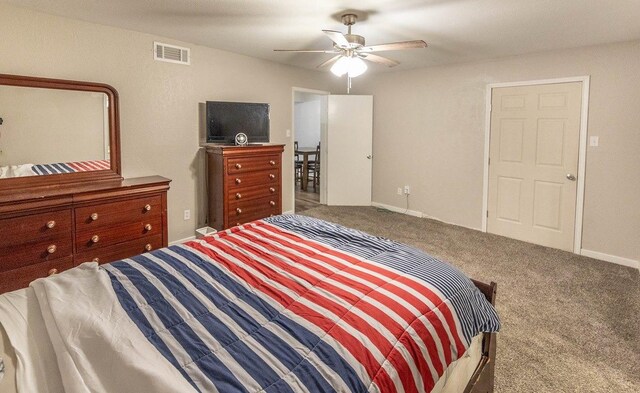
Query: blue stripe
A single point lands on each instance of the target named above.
(310, 340)
(137, 316)
(260, 371)
(214, 369)
(52, 169)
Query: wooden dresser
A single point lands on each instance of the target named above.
(50, 229)
(244, 183)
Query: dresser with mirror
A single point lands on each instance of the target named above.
(63, 200)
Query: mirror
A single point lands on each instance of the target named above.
(54, 131)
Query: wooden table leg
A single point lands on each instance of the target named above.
(305, 172)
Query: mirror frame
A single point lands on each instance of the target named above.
(115, 173)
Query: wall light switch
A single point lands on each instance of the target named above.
(594, 141)
(399, 191)
(288, 133)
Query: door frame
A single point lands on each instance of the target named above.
(323, 139)
(582, 148)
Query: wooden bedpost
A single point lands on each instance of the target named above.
(482, 380)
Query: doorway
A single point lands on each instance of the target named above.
(309, 129)
(534, 172)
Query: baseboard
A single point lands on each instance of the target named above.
(289, 212)
(450, 223)
(416, 213)
(396, 209)
(611, 258)
(186, 239)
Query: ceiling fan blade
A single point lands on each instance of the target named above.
(380, 60)
(394, 46)
(337, 37)
(329, 62)
(307, 50)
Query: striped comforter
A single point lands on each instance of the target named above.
(295, 304)
(71, 167)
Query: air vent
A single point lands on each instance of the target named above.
(171, 53)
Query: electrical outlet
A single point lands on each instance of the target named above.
(288, 133)
(407, 190)
(187, 214)
(594, 141)
(399, 191)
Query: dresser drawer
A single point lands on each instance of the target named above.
(244, 180)
(34, 227)
(120, 251)
(245, 211)
(252, 164)
(37, 251)
(254, 192)
(93, 238)
(116, 213)
(21, 278)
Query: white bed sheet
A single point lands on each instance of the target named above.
(34, 350)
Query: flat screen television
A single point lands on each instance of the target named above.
(226, 119)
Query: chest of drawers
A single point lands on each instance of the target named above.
(244, 184)
(43, 235)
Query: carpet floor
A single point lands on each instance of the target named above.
(569, 323)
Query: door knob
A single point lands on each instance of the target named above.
(571, 177)
(369, 156)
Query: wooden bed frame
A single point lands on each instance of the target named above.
(482, 379)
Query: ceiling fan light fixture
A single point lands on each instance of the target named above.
(341, 66)
(357, 67)
(352, 66)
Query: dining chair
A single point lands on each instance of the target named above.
(314, 169)
(297, 173)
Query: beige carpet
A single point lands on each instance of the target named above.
(570, 323)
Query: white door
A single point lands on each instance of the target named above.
(349, 149)
(533, 163)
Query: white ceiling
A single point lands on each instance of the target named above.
(456, 30)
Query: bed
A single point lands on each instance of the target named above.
(284, 304)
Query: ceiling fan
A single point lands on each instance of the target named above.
(350, 50)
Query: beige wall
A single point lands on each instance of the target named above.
(158, 101)
(429, 127)
(44, 126)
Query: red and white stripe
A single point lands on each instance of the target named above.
(394, 325)
(91, 165)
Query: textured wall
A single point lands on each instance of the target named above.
(158, 101)
(429, 127)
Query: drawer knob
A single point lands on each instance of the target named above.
(272, 203)
(147, 227)
(148, 247)
(147, 207)
(95, 239)
(238, 181)
(272, 176)
(272, 190)
(238, 210)
(52, 272)
(52, 248)
(238, 166)
(94, 216)
(51, 224)
(238, 195)
(96, 260)
(237, 224)
(272, 163)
